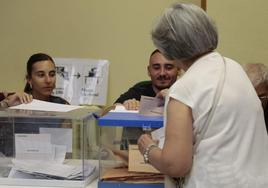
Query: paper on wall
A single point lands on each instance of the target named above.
(82, 81)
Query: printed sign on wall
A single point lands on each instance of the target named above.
(82, 81)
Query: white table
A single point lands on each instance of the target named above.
(93, 184)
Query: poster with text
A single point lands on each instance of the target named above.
(82, 81)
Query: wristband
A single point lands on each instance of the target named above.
(147, 151)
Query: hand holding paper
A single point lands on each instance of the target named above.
(151, 106)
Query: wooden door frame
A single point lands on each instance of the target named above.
(204, 4)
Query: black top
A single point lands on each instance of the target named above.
(142, 88)
(2, 97)
(266, 118)
(58, 100)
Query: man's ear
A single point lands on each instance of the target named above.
(148, 71)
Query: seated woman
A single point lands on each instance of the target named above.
(41, 78)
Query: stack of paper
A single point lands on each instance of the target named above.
(136, 162)
(40, 147)
(45, 106)
(151, 106)
(50, 170)
(40, 156)
(122, 174)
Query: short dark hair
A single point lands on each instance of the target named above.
(155, 51)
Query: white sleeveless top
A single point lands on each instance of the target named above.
(234, 151)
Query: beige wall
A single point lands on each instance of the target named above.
(117, 30)
(243, 28)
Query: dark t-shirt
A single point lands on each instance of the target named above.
(58, 100)
(142, 88)
(266, 118)
(2, 97)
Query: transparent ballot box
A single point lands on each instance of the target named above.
(121, 164)
(39, 148)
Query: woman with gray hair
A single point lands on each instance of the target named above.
(214, 126)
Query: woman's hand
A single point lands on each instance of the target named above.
(162, 94)
(144, 141)
(18, 98)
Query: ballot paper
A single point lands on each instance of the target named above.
(45, 106)
(159, 134)
(121, 108)
(31, 146)
(50, 170)
(151, 106)
(38, 158)
(59, 136)
(38, 147)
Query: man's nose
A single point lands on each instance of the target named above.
(162, 71)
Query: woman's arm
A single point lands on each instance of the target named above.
(175, 159)
(15, 99)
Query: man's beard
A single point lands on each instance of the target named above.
(162, 78)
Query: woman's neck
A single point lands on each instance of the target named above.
(185, 64)
(40, 97)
